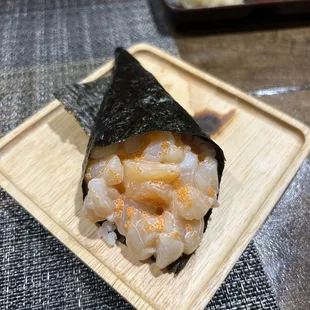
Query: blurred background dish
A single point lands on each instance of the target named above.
(204, 3)
(207, 10)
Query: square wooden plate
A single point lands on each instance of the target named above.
(41, 168)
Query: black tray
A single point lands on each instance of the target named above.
(250, 7)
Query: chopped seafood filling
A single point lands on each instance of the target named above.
(154, 188)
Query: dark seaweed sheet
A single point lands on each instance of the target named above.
(83, 100)
(135, 103)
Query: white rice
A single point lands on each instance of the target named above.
(205, 3)
(106, 232)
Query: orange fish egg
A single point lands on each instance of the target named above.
(211, 192)
(161, 184)
(129, 212)
(188, 228)
(119, 204)
(175, 235)
(183, 195)
(127, 224)
(159, 225)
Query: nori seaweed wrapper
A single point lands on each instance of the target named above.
(134, 103)
(83, 100)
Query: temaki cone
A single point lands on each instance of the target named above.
(135, 103)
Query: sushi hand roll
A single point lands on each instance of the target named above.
(151, 175)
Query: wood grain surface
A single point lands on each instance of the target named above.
(41, 168)
(272, 64)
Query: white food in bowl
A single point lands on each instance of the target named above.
(204, 3)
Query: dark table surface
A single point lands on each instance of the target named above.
(272, 64)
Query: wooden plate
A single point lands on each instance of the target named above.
(41, 168)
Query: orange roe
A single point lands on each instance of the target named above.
(129, 212)
(119, 204)
(145, 214)
(157, 227)
(183, 195)
(188, 228)
(164, 146)
(175, 235)
(114, 175)
(211, 192)
(161, 184)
